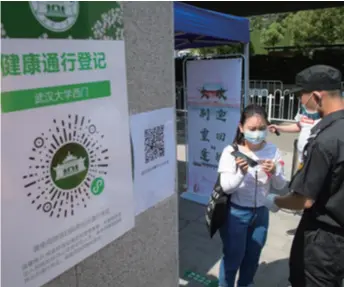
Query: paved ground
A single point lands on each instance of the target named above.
(201, 255)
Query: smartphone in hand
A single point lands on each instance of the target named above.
(251, 162)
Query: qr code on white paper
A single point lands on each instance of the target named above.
(154, 143)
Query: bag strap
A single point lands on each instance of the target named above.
(235, 146)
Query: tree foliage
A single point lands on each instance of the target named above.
(218, 50)
(316, 27)
(311, 27)
(221, 50)
(273, 34)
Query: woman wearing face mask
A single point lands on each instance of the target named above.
(245, 231)
(305, 119)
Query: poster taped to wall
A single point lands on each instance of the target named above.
(67, 186)
(213, 117)
(154, 157)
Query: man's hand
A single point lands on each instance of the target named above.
(293, 201)
(292, 128)
(273, 128)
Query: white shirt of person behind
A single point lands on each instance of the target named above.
(243, 187)
(306, 124)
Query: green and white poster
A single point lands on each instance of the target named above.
(66, 188)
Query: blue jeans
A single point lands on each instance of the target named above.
(243, 240)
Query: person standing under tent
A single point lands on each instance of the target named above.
(245, 231)
(317, 253)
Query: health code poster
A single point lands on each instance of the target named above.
(66, 188)
(214, 98)
(154, 157)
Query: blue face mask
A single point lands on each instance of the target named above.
(256, 137)
(311, 115)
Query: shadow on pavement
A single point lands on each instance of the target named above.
(273, 274)
(201, 255)
(197, 252)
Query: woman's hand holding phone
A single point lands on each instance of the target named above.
(242, 164)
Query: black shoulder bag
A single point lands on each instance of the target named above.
(217, 209)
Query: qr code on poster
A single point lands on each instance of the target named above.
(154, 143)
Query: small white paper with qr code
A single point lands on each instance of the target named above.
(154, 157)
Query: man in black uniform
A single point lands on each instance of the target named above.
(317, 254)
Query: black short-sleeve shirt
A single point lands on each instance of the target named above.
(322, 175)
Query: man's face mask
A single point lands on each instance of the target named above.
(314, 115)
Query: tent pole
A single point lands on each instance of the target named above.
(246, 73)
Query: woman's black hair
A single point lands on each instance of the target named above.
(247, 113)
